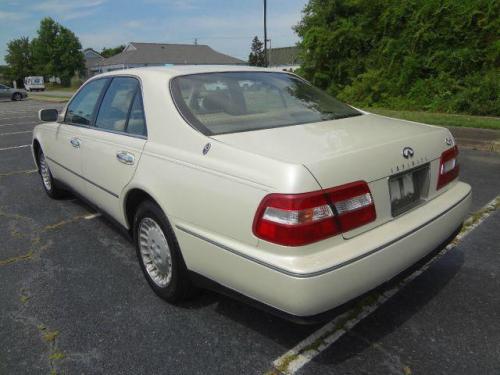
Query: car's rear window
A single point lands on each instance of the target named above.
(229, 102)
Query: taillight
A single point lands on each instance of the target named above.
(300, 219)
(353, 205)
(448, 167)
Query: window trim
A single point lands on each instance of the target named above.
(99, 103)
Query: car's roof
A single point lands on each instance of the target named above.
(177, 70)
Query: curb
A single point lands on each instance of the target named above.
(477, 139)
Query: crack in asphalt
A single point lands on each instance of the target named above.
(54, 354)
(35, 249)
(394, 363)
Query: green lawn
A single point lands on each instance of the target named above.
(443, 119)
(65, 89)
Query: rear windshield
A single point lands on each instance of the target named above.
(230, 102)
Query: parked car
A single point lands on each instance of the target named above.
(34, 83)
(254, 181)
(7, 92)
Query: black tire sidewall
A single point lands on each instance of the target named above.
(177, 288)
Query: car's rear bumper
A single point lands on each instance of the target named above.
(387, 250)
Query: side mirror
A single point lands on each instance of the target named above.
(48, 115)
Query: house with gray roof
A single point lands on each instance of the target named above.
(284, 58)
(92, 59)
(159, 54)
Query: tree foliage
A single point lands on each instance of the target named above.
(19, 59)
(441, 55)
(108, 52)
(56, 51)
(257, 57)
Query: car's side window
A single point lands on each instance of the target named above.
(82, 107)
(116, 104)
(136, 122)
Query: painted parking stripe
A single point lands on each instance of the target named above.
(15, 173)
(20, 124)
(306, 350)
(92, 216)
(14, 133)
(17, 117)
(14, 147)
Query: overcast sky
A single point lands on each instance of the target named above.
(227, 26)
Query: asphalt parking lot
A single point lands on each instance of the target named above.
(73, 299)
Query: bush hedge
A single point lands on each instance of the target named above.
(438, 55)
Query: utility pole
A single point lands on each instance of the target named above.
(269, 53)
(265, 34)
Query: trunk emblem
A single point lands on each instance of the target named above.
(408, 152)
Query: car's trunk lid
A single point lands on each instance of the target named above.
(367, 147)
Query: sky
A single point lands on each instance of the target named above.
(227, 26)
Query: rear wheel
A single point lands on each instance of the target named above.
(159, 254)
(47, 180)
(17, 96)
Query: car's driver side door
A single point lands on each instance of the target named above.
(63, 146)
(113, 146)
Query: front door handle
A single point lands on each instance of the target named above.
(125, 157)
(75, 142)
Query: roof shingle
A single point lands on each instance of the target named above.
(159, 53)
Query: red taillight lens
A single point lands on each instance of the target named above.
(448, 167)
(300, 219)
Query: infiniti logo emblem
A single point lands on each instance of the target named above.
(408, 152)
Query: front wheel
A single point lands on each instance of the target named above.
(47, 180)
(159, 254)
(17, 97)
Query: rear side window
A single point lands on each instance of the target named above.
(116, 104)
(136, 123)
(82, 107)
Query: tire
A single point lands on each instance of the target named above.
(158, 250)
(17, 97)
(48, 182)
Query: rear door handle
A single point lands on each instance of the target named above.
(125, 157)
(75, 142)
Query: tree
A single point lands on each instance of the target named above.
(440, 55)
(257, 57)
(57, 51)
(19, 59)
(108, 52)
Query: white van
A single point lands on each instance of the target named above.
(34, 83)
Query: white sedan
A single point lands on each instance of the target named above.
(254, 181)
